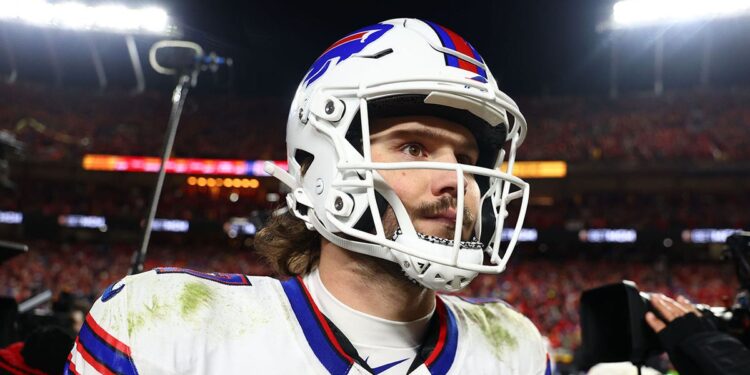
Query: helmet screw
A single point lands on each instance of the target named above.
(338, 204)
(329, 107)
(301, 115)
(406, 265)
(319, 186)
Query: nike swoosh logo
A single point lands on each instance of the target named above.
(385, 367)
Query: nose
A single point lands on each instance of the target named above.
(445, 182)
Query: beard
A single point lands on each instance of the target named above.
(390, 274)
(428, 209)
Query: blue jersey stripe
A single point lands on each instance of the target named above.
(314, 334)
(444, 361)
(115, 360)
(69, 369)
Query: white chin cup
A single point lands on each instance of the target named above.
(434, 275)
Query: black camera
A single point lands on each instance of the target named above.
(613, 327)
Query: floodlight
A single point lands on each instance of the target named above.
(78, 16)
(635, 13)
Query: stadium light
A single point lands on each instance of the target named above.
(637, 13)
(78, 16)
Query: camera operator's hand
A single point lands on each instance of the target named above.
(692, 341)
(669, 309)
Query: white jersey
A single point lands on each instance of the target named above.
(177, 321)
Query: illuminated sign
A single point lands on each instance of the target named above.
(83, 221)
(707, 235)
(145, 164)
(244, 183)
(526, 235)
(608, 235)
(170, 225)
(538, 169)
(11, 217)
(239, 226)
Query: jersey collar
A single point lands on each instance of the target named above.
(437, 351)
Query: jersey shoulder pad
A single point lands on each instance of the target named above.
(504, 334)
(496, 316)
(155, 317)
(189, 290)
(173, 294)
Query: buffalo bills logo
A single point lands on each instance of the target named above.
(344, 48)
(454, 42)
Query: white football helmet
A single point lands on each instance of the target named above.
(406, 67)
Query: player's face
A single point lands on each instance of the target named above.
(428, 195)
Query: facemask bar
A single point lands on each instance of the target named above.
(367, 153)
(405, 221)
(501, 202)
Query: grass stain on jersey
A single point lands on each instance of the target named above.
(135, 322)
(194, 295)
(491, 320)
(155, 310)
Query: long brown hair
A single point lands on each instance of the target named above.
(288, 246)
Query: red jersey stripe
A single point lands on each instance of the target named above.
(443, 322)
(72, 366)
(91, 360)
(324, 324)
(111, 340)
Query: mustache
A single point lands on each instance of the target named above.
(443, 204)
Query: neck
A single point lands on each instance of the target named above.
(373, 286)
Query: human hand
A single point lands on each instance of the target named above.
(669, 309)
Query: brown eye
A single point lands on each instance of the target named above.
(414, 150)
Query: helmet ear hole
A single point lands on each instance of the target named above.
(304, 159)
(365, 223)
(354, 133)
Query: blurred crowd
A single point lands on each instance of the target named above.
(681, 126)
(654, 211)
(85, 269)
(703, 126)
(71, 123)
(176, 202)
(547, 291)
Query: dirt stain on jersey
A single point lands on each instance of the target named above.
(194, 295)
(492, 320)
(155, 310)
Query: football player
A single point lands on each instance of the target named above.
(396, 143)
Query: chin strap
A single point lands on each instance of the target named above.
(356, 246)
(474, 244)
